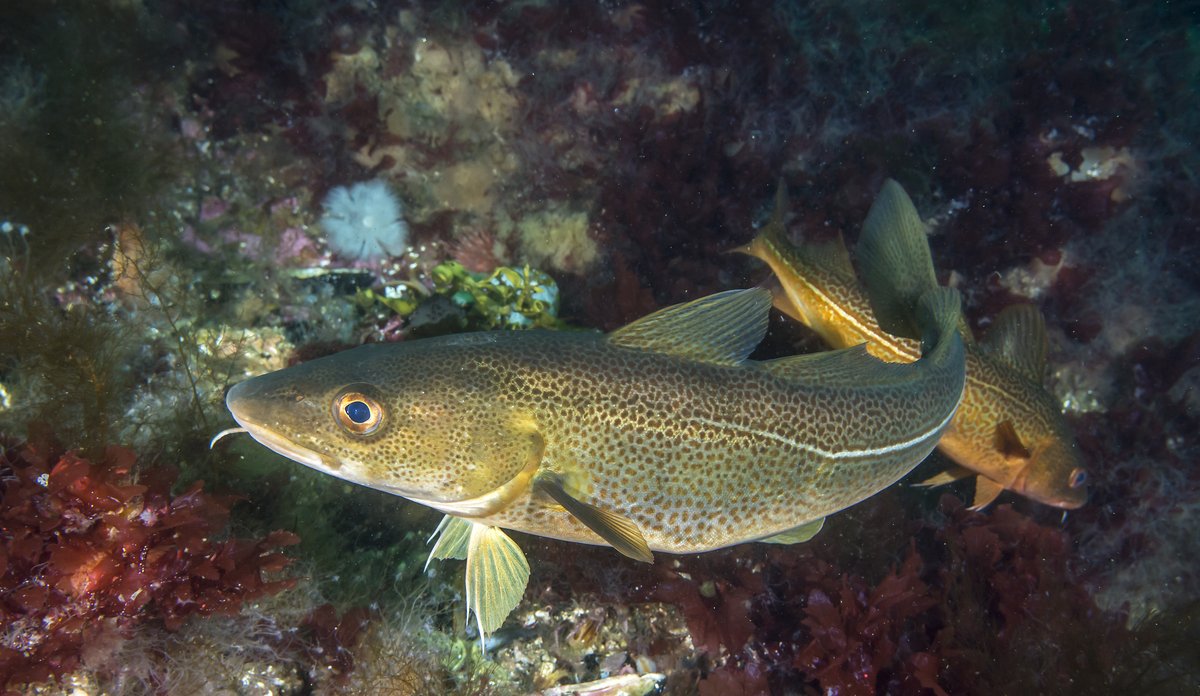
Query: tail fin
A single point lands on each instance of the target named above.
(812, 256)
(773, 233)
(897, 269)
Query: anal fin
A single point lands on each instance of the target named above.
(796, 535)
(950, 475)
(620, 532)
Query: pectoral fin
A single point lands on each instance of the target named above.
(986, 491)
(497, 574)
(1008, 442)
(619, 531)
(453, 536)
(796, 535)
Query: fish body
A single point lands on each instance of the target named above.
(698, 455)
(1008, 429)
(661, 436)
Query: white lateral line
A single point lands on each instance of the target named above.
(834, 454)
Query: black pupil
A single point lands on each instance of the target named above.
(358, 411)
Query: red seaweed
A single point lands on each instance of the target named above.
(87, 542)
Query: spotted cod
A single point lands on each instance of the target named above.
(661, 436)
(1009, 432)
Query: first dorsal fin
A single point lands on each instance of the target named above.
(1018, 339)
(846, 367)
(619, 531)
(723, 328)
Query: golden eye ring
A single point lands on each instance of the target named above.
(357, 413)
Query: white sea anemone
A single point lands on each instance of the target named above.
(363, 222)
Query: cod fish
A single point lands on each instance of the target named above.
(661, 436)
(1008, 431)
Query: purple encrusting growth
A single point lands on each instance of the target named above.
(363, 222)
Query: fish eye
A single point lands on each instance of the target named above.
(357, 413)
(1078, 478)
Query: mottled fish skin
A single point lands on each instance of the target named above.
(698, 455)
(820, 289)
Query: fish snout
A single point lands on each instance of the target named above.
(278, 415)
(1048, 485)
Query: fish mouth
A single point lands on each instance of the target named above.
(1064, 502)
(1071, 504)
(275, 442)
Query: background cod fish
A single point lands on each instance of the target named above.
(1009, 430)
(661, 436)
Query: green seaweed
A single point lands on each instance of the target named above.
(64, 366)
(78, 149)
(513, 298)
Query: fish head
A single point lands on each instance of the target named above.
(417, 420)
(1054, 474)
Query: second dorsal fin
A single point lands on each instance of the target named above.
(723, 328)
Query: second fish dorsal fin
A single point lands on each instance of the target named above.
(1018, 339)
(829, 254)
(722, 328)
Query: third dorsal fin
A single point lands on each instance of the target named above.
(846, 367)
